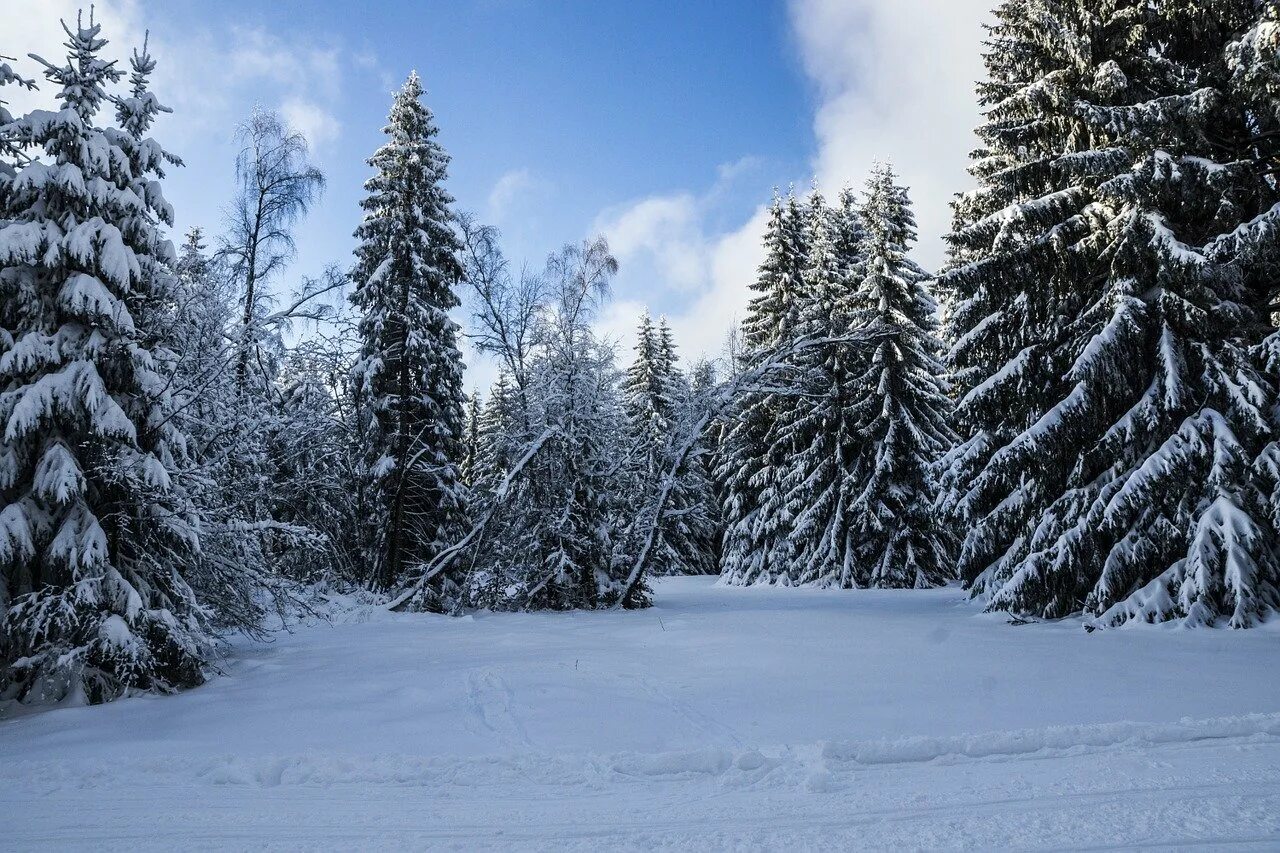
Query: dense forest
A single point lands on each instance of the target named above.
(1077, 417)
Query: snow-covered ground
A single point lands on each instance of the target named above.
(721, 718)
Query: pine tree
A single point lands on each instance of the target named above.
(1124, 490)
(692, 518)
(410, 375)
(901, 401)
(703, 392)
(99, 534)
(750, 468)
(775, 310)
(498, 432)
(1253, 61)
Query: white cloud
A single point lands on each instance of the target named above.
(314, 122)
(668, 230)
(727, 172)
(895, 82)
(671, 265)
(508, 190)
(255, 54)
(617, 325)
(701, 328)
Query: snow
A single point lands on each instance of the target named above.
(757, 718)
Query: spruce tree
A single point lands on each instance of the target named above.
(1009, 295)
(410, 375)
(703, 390)
(901, 402)
(497, 434)
(814, 430)
(750, 465)
(99, 536)
(1125, 490)
(693, 511)
(469, 469)
(1253, 61)
(650, 406)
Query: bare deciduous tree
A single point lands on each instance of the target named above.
(277, 186)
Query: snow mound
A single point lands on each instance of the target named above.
(817, 768)
(1052, 739)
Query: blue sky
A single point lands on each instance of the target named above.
(662, 124)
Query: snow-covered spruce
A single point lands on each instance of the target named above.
(748, 468)
(98, 535)
(816, 432)
(656, 399)
(1009, 294)
(410, 374)
(1128, 491)
(828, 469)
(469, 469)
(900, 400)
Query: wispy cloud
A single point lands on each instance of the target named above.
(666, 230)
(890, 88)
(313, 121)
(673, 263)
(511, 189)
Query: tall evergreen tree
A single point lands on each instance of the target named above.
(497, 434)
(99, 536)
(470, 467)
(814, 432)
(649, 401)
(1253, 60)
(901, 401)
(750, 466)
(1009, 293)
(410, 375)
(1125, 489)
(703, 394)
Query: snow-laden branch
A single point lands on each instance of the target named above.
(446, 557)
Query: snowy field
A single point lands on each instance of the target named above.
(721, 718)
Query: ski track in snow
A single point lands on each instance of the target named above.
(743, 720)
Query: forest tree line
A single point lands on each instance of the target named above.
(1077, 416)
